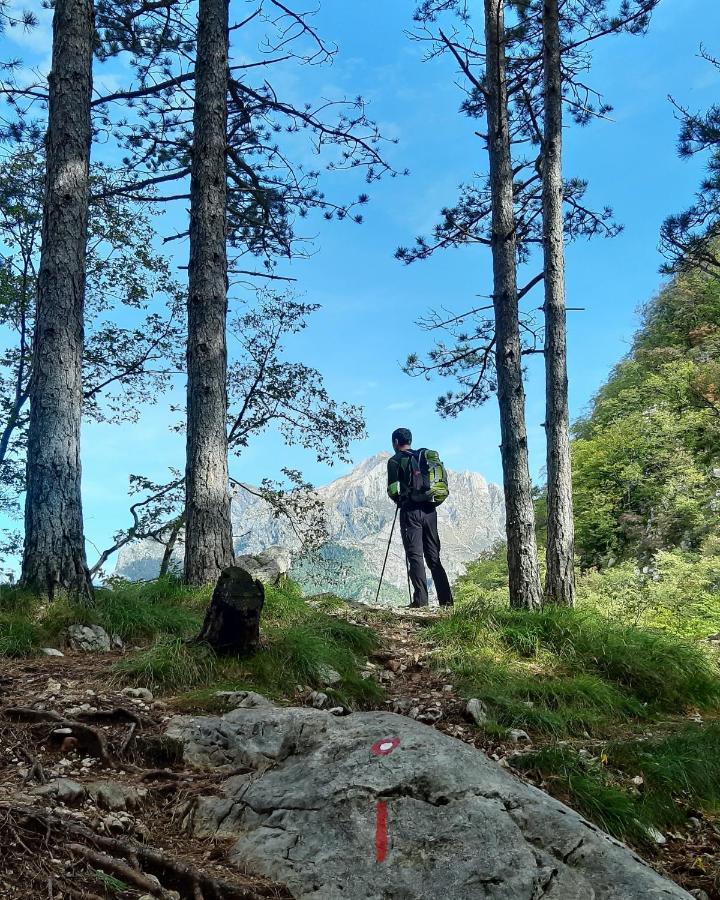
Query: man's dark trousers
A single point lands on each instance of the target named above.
(418, 526)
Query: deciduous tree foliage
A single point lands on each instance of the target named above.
(645, 460)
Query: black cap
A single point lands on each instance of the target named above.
(402, 436)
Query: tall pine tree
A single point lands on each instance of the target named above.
(208, 536)
(54, 552)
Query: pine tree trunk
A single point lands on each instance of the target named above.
(208, 534)
(54, 554)
(524, 575)
(560, 576)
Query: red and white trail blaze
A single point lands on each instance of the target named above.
(383, 747)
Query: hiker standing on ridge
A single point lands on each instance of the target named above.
(417, 483)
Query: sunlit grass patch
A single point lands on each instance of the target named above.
(563, 671)
(638, 786)
(300, 646)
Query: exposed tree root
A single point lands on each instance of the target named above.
(88, 738)
(130, 861)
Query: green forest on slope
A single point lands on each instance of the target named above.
(646, 458)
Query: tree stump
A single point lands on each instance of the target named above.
(232, 621)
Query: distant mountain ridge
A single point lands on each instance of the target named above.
(359, 519)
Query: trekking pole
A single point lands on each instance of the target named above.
(387, 553)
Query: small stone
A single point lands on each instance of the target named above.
(51, 651)
(657, 836)
(518, 736)
(337, 711)
(699, 894)
(61, 731)
(476, 711)
(62, 789)
(89, 638)
(52, 687)
(116, 797)
(329, 676)
(138, 694)
(638, 781)
(244, 699)
(393, 665)
(318, 699)
(447, 688)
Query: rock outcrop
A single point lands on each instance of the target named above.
(374, 806)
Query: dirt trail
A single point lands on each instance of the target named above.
(80, 843)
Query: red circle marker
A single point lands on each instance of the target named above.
(385, 747)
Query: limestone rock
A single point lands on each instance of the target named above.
(243, 699)
(270, 566)
(90, 638)
(329, 676)
(459, 826)
(115, 796)
(476, 711)
(51, 651)
(138, 694)
(64, 790)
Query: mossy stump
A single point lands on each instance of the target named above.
(232, 621)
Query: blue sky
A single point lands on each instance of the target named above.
(369, 301)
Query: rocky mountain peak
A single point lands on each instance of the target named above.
(359, 521)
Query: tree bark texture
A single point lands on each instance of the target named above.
(232, 621)
(208, 537)
(54, 554)
(524, 575)
(560, 575)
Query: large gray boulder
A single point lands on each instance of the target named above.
(270, 566)
(375, 806)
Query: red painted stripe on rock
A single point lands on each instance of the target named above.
(381, 834)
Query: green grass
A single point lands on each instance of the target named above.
(678, 772)
(299, 643)
(133, 610)
(565, 672)
(19, 636)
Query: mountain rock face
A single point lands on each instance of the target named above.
(359, 520)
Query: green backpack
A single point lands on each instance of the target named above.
(426, 477)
